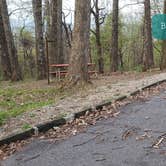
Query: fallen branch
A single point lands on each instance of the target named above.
(159, 141)
(129, 132)
(83, 143)
(98, 160)
(156, 145)
(32, 158)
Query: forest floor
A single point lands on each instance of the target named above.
(25, 104)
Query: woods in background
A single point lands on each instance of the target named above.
(99, 34)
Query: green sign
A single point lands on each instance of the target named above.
(159, 26)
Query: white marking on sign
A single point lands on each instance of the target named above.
(163, 25)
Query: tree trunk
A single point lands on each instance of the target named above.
(148, 60)
(99, 51)
(47, 15)
(16, 71)
(78, 70)
(40, 53)
(5, 59)
(55, 34)
(114, 40)
(96, 14)
(163, 58)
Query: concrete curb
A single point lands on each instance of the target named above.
(102, 104)
(135, 92)
(48, 125)
(62, 121)
(121, 98)
(16, 137)
(82, 113)
(154, 84)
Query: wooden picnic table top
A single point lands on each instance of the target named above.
(66, 65)
(59, 65)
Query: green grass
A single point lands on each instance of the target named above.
(20, 97)
(15, 100)
(26, 127)
(17, 110)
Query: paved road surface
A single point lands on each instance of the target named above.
(110, 142)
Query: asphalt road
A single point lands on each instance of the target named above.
(123, 141)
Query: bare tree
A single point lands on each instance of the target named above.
(47, 15)
(66, 37)
(99, 20)
(55, 32)
(115, 36)
(148, 60)
(16, 71)
(4, 54)
(78, 70)
(67, 29)
(41, 60)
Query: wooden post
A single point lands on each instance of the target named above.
(48, 70)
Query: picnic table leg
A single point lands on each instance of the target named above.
(59, 72)
(56, 76)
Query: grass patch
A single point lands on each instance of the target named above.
(26, 127)
(17, 110)
(3, 117)
(17, 99)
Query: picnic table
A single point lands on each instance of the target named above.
(60, 70)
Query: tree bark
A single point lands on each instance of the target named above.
(78, 70)
(47, 15)
(5, 59)
(55, 34)
(96, 14)
(40, 51)
(16, 71)
(163, 58)
(115, 36)
(148, 60)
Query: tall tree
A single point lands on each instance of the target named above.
(5, 59)
(40, 52)
(78, 70)
(47, 15)
(16, 71)
(148, 60)
(115, 36)
(55, 32)
(163, 58)
(99, 20)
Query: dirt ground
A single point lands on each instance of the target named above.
(106, 87)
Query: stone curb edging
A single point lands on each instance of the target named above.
(153, 84)
(17, 137)
(62, 121)
(82, 113)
